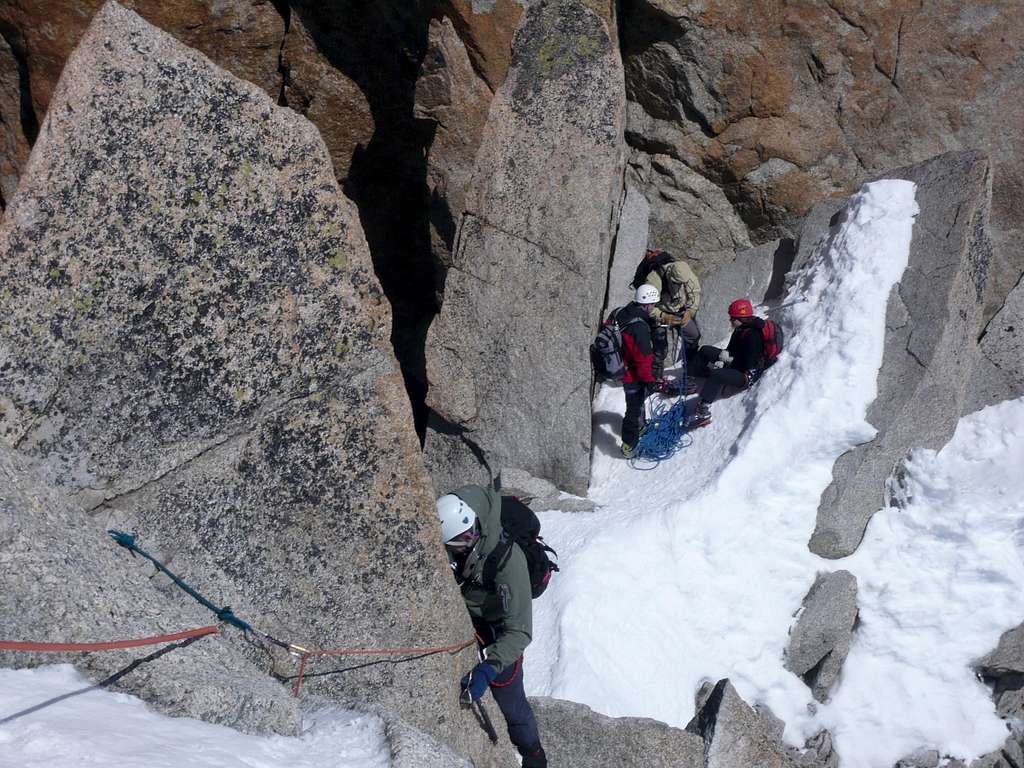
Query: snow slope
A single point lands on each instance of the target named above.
(105, 729)
(694, 569)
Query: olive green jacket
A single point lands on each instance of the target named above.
(507, 610)
(681, 293)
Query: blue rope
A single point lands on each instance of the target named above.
(127, 541)
(664, 436)
(665, 433)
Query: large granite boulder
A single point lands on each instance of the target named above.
(243, 36)
(1004, 669)
(782, 105)
(507, 357)
(194, 347)
(820, 639)
(574, 735)
(737, 735)
(64, 580)
(932, 323)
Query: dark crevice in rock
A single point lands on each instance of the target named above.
(213, 447)
(380, 46)
(899, 53)
(810, 677)
(285, 11)
(782, 262)
(43, 414)
(230, 439)
(998, 309)
(29, 120)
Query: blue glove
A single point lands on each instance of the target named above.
(476, 682)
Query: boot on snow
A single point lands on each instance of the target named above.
(701, 417)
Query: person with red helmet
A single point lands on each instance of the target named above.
(738, 365)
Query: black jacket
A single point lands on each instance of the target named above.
(747, 345)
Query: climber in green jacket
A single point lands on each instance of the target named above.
(676, 310)
(502, 612)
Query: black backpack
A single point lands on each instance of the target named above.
(652, 260)
(519, 525)
(606, 351)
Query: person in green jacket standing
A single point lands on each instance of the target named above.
(676, 312)
(502, 612)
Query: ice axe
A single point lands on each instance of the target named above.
(482, 718)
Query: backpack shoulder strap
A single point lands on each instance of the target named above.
(496, 561)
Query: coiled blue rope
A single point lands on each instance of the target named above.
(664, 436)
(666, 431)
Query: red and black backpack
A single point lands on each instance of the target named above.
(772, 336)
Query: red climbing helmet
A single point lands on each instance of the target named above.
(741, 308)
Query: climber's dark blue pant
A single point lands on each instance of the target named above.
(633, 421)
(507, 690)
(717, 378)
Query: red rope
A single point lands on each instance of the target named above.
(370, 652)
(8, 645)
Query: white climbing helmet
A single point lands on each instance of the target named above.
(456, 516)
(647, 294)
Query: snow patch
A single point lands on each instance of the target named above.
(103, 729)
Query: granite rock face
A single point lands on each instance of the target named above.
(757, 274)
(1000, 372)
(932, 323)
(507, 356)
(320, 90)
(456, 100)
(783, 104)
(689, 215)
(820, 639)
(65, 580)
(194, 347)
(574, 735)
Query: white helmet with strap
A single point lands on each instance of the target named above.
(456, 516)
(647, 294)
